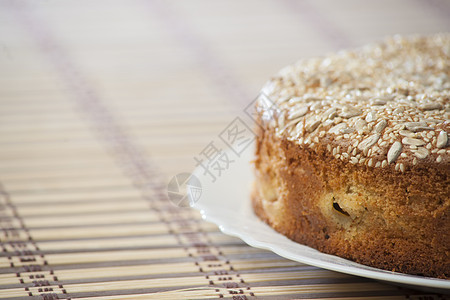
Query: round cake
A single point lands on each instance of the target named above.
(353, 157)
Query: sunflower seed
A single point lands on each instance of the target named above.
(431, 120)
(298, 112)
(406, 133)
(417, 126)
(398, 110)
(346, 131)
(349, 112)
(380, 126)
(329, 114)
(312, 125)
(359, 125)
(368, 142)
(421, 152)
(292, 123)
(378, 101)
(412, 141)
(431, 106)
(371, 116)
(394, 152)
(337, 128)
(442, 139)
(316, 106)
(326, 81)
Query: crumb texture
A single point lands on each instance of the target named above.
(353, 158)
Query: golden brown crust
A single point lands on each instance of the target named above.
(375, 216)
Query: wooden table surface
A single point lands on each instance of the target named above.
(103, 102)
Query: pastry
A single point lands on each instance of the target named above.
(353, 157)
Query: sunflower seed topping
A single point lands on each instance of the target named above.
(364, 110)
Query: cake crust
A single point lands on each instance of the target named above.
(336, 169)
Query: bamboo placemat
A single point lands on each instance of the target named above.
(102, 102)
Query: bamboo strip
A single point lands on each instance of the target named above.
(126, 193)
(13, 141)
(287, 276)
(159, 283)
(9, 293)
(63, 174)
(98, 231)
(322, 289)
(105, 273)
(28, 100)
(182, 294)
(45, 155)
(92, 219)
(195, 282)
(194, 124)
(95, 207)
(160, 112)
(116, 242)
(23, 163)
(125, 242)
(60, 117)
(69, 186)
(90, 232)
(86, 152)
(127, 255)
(391, 297)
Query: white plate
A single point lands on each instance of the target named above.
(226, 203)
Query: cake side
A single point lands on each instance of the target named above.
(340, 208)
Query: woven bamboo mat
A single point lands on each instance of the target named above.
(102, 102)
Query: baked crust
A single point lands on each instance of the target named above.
(394, 216)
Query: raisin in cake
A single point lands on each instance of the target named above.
(353, 156)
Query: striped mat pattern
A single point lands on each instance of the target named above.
(102, 102)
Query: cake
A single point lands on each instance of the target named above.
(352, 154)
